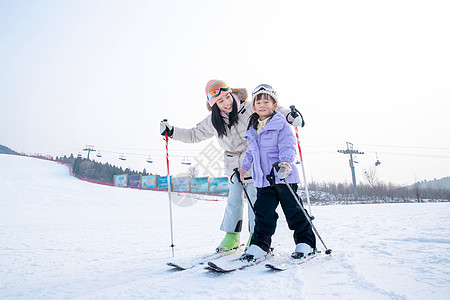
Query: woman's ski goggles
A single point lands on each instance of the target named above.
(216, 88)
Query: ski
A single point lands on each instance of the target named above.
(181, 266)
(291, 263)
(234, 265)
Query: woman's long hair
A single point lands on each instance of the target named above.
(218, 122)
(253, 120)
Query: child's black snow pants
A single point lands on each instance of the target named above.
(266, 217)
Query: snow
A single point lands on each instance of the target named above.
(61, 237)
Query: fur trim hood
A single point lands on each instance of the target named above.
(240, 93)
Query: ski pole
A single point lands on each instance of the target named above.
(327, 251)
(236, 173)
(295, 113)
(169, 191)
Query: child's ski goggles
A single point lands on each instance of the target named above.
(215, 89)
(263, 88)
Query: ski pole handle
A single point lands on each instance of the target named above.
(238, 175)
(294, 112)
(276, 166)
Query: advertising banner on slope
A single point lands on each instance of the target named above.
(120, 180)
(149, 182)
(161, 183)
(218, 186)
(134, 180)
(180, 184)
(199, 185)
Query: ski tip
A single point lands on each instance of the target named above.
(217, 269)
(275, 268)
(211, 264)
(176, 267)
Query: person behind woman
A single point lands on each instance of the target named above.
(228, 122)
(270, 140)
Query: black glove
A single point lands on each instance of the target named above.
(165, 127)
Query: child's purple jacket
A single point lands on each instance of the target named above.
(274, 143)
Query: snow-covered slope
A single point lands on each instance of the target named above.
(64, 238)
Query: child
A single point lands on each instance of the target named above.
(270, 140)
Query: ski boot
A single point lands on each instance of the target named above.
(302, 250)
(253, 253)
(229, 242)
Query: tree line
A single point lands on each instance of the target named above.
(380, 190)
(6, 150)
(90, 169)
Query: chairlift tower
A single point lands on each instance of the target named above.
(352, 166)
(89, 148)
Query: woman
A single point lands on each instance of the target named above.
(228, 122)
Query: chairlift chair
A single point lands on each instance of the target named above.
(122, 157)
(99, 154)
(149, 160)
(378, 162)
(186, 161)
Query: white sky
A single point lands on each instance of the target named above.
(375, 73)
